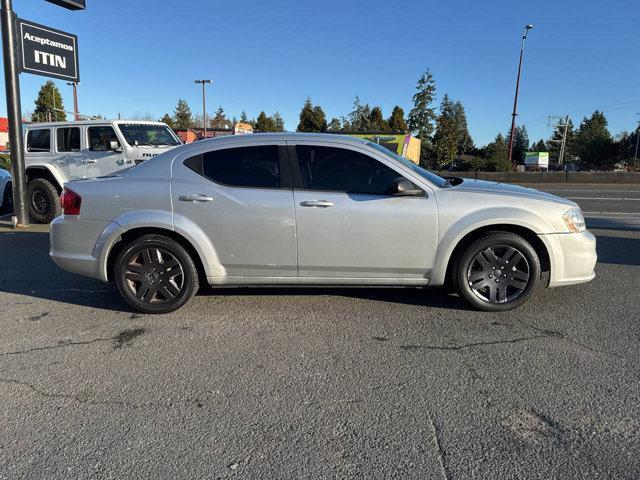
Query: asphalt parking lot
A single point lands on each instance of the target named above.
(332, 383)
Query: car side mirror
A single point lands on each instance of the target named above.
(115, 146)
(402, 187)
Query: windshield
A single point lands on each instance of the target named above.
(137, 134)
(426, 174)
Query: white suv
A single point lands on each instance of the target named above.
(61, 151)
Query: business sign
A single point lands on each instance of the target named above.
(537, 159)
(48, 52)
(242, 128)
(70, 4)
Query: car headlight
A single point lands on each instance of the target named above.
(574, 220)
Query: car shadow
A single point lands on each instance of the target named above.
(618, 250)
(26, 269)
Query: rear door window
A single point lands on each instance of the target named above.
(250, 167)
(68, 139)
(39, 140)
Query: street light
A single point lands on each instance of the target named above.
(75, 99)
(515, 101)
(204, 104)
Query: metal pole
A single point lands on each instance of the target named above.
(635, 156)
(204, 110)
(515, 100)
(76, 111)
(14, 112)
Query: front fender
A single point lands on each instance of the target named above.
(454, 232)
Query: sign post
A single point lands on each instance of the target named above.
(14, 112)
(42, 51)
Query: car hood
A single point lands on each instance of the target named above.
(497, 188)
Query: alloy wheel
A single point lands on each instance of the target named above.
(154, 275)
(498, 274)
(40, 202)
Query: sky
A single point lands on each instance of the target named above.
(141, 56)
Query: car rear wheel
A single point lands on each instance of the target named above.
(498, 272)
(155, 274)
(44, 201)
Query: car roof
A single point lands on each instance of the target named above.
(283, 136)
(73, 123)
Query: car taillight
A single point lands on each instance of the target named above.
(70, 202)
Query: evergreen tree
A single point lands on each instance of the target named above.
(220, 119)
(396, 120)
(465, 142)
(497, 155)
(264, 123)
(182, 117)
(447, 136)
(555, 143)
(312, 119)
(49, 98)
(539, 146)
(594, 144)
(166, 118)
(243, 117)
(520, 144)
(378, 123)
(360, 117)
(278, 122)
(334, 125)
(422, 116)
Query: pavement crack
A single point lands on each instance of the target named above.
(442, 453)
(471, 345)
(122, 339)
(88, 401)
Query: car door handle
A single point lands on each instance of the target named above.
(90, 162)
(316, 203)
(196, 198)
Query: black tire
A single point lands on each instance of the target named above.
(7, 199)
(155, 274)
(497, 272)
(44, 200)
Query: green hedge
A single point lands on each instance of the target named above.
(5, 162)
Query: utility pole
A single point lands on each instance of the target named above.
(14, 112)
(564, 139)
(204, 105)
(515, 101)
(635, 156)
(75, 99)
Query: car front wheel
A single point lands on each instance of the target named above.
(498, 272)
(155, 274)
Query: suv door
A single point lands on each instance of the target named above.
(68, 152)
(349, 226)
(100, 158)
(241, 198)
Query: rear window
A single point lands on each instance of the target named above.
(39, 140)
(68, 139)
(250, 167)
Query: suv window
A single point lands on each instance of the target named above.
(100, 138)
(68, 139)
(257, 167)
(341, 170)
(39, 140)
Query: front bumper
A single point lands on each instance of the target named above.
(78, 246)
(573, 257)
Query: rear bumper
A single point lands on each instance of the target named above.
(573, 257)
(78, 246)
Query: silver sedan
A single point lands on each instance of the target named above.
(313, 209)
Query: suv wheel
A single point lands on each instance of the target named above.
(498, 272)
(44, 201)
(155, 274)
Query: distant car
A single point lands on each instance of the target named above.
(6, 192)
(61, 151)
(313, 209)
